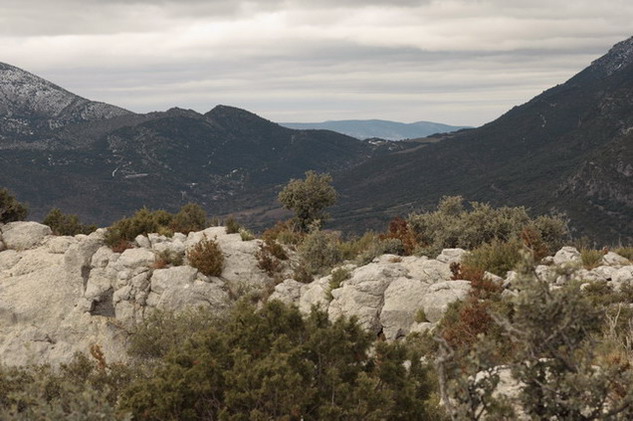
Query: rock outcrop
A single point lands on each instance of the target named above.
(60, 294)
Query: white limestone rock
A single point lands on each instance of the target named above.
(143, 241)
(135, 258)
(567, 256)
(315, 294)
(623, 276)
(8, 259)
(288, 292)
(24, 235)
(449, 256)
(402, 300)
(363, 294)
(194, 295)
(60, 245)
(79, 255)
(99, 283)
(103, 257)
(614, 259)
(174, 277)
(439, 295)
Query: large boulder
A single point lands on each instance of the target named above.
(288, 292)
(402, 301)
(567, 256)
(614, 259)
(135, 258)
(163, 279)
(24, 235)
(439, 295)
(363, 294)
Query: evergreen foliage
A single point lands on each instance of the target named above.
(275, 364)
(453, 225)
(64, 224)
(308, 198)
(10, 209)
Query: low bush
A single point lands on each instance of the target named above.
(626, 252)
(401, 230)
(275, 364)
(190, 217)
(591, 258)
(232, 226)
(10, 209)
(143, 222)
(284, 232)
(246, 235)
(267, 261)
(353, 248)
(64, 224)
(453, 224)
(319, 251)
(207, 257)
(496, 257)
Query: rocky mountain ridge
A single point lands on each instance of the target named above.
(567, 150)
(61, 294)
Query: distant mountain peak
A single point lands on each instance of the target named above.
(25, 95)
(618, 57)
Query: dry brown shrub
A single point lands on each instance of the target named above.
(207, 257)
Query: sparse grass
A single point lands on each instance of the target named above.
(591, 258)
(232, 226)
(626, 252)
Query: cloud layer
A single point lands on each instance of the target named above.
(452, 61)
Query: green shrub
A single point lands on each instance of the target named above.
(319, 251)
(353, 248)
(63, 224)
(232, 226)
(246, 235)
(420, 316)
(143, 222)
(380, 247)
(626, 252)
(301, 274)
(453, 225)
(10, 209)
(556, 342)
(168, 258)
(496, 257)
(284, 232)
(591, 258)
(207, 257)
(190, 217)
(274, 364)
(308, 199)
(82, 390)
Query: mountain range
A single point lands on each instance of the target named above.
(569, 150)
(381, 129)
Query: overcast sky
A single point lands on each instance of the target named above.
(450, 61)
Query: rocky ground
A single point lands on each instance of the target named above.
(60, 295)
